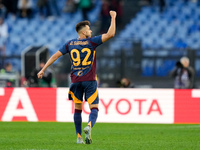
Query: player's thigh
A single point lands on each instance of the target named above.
(91, 92)
(76, 92)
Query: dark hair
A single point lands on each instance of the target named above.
(8, 64)
(81, 24)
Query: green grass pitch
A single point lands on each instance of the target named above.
(106, 136)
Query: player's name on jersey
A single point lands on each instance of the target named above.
(79, 43)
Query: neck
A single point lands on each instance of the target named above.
(81, 36)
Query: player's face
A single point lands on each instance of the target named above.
(88, 32)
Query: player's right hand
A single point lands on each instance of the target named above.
(40, 74)
(113, 13)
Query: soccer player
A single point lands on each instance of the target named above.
(82, 53)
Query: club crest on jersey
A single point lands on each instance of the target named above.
(80, 73)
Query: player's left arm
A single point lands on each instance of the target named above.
(53, 58)
(112, 29)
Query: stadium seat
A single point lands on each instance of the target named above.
(161, 31)
(147, 67)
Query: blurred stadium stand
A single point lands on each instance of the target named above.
(36, 31)
(164, 37)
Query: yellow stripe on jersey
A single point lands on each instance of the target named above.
(75, 99)
(93, 97)
(93, 57)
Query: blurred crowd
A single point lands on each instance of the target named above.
(49, 8)
(108, 5)
(46, 9)
(3, 36)
(183, 74)
(5, 72)
(11, 78)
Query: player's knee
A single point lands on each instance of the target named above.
(94, 106)
(78, 106)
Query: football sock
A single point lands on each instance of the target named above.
(78, 122)
(93, 117)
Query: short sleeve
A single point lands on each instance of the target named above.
(97, 40)
(64, 48)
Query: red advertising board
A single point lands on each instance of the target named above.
(187, 106)
(27, 104)
(116, 105)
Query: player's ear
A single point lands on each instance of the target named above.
(83, 32)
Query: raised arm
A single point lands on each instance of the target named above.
(111, 31)
(53, 58)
